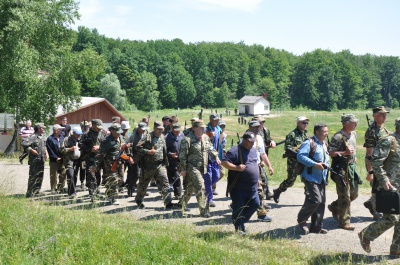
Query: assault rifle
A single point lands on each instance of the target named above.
(342, 178)
(120, 155)
(366, 115)
(278, 143)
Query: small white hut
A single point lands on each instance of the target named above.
(253, 105)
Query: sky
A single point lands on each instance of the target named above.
(297, 26)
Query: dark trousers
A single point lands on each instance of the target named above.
(244, 205)
(78, 169)
(36, 172)
(72, 178)
(175, 180)
(314, 205)
(132, 176)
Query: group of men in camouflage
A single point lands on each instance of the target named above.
(198, 151)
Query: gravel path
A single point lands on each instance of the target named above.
(14, 178)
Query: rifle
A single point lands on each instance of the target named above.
(232, 143)
(120, 155)
(185, 125)
(279, 143)
(237, 134)
(342, 178)
(366, 115)
(148, 117)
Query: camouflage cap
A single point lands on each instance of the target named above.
(258, 118)
(349, 117)
(222, 123)
(254, 124)
(142, 125)
(40, 125)
(380, 109)
(116, 127)
(199, 123)
(397, 122)
(84, 123)
(98, 123)
(214, 117)
(116, 119)
(158, 125)
(165, 118)
(194, 119)
(125, 125)
(249, 136)
(176, 127)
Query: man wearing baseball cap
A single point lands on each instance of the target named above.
(293, 141)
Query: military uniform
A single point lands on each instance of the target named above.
(36, 162)
(346, 166)
(88, 140)
(70, 161)
(109, 150)
(193, 156)
(385, 164)
(294, 139)
(154, 166)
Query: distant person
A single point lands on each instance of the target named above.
(25, 132)
(67, 128)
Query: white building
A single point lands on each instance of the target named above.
(253, 105)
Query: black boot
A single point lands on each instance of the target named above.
(277, 193)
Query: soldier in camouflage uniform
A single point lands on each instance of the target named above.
(112, 145)
(90, 144)
(193, 155)
(342, 149)
(385, 162)
(189, 130)
(154, 151)
(374, 133)
(268, 143)
(35, 146)
(71, 158)
(293, 140)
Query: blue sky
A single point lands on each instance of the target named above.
(297, 26)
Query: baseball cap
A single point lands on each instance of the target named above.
(176, 127)
(98, 123)
(57, 127)
(302, 118)
(116, 127)
(349, 117)
(249, 136)
(165, 118)
(40, 125)
(214, 116)
(158, 125)
(380, 109)
(142, 125)
(221, 123)
(125, 125)
(77, 130)
(199, 123)
(254, 123)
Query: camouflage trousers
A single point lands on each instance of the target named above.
(345, 196)
(262, 190)
(160, 175)
(377, 228)
(292, 175)
(35, 180)
(195, 183)
(112, 180)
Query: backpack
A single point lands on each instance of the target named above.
(313, 147)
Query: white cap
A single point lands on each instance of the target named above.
(125, 125)
(302, 118)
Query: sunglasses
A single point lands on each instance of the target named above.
(305, 123)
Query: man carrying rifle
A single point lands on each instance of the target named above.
(342, 149)
(111, 150)
(293, 141)
(374, 133)
(313, 154)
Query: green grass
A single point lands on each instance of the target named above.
(33, 233)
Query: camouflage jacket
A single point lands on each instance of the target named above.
(109, 149)
(151, 141)
(37, 143)
(88, 140)
(266, 136)
(294, 139)
(339, 142)
(194, 152)
(68, 157)
(385, 161)
(374, 134)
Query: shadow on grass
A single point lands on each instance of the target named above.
(349, 258)
(213, 236)
(288, 233)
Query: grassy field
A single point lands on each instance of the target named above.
(33, 233)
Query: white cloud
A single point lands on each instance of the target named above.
(89, 8)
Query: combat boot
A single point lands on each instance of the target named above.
(365, 243)
(277, 193)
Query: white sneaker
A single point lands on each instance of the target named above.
(116, 202)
